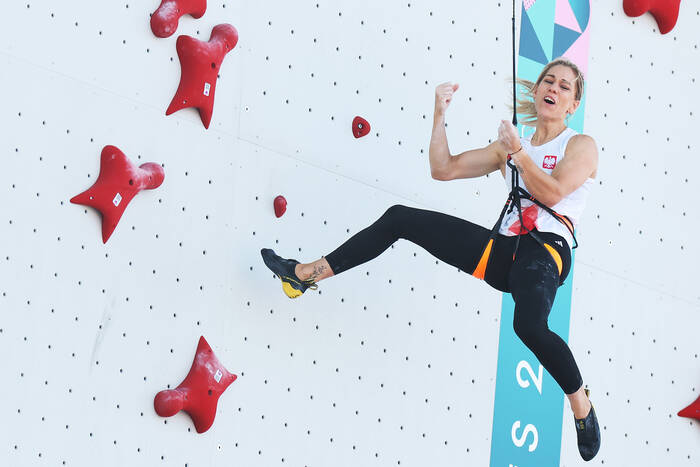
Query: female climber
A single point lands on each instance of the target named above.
(527, 253)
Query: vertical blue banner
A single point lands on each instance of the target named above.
(528, 408)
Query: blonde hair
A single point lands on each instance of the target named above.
(526, 106)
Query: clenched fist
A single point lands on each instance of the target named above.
(508, 137)
(443, 96)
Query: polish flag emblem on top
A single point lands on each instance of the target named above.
(549, 162)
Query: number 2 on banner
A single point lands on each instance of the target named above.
(535, 379)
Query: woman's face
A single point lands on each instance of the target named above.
(555, 96)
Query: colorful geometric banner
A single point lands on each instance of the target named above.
(528, 408)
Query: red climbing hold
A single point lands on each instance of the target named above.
(200, 62)
(199, 392)
(119, 181)
(164, 20)
(530, 215)
(360, 127)
(665, 12)
(280, 205)
(692, 411)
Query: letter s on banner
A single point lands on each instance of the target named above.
(519, 442)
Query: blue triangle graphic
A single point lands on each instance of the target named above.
(563, 39)
(530, 46)
(541, 15)
(582, 11)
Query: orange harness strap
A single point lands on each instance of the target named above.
(555, 254)
(480, 271)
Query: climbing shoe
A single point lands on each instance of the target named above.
(284, 270)
(588, 434)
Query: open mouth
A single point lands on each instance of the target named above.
(549, 100)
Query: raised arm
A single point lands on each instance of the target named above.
(469, 164)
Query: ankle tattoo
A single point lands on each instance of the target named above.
(318, 270)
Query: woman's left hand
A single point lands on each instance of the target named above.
(508, 137)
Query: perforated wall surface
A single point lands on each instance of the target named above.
(391, 363)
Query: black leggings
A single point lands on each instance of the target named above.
(532, 279)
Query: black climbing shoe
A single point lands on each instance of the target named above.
(284, 269)
(588, 434)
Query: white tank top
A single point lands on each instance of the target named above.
(546, 157)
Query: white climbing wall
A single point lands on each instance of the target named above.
(391, 363)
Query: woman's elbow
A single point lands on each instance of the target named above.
(554, 198)
(439, 175)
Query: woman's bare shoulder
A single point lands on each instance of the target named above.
(583, 147)
(582, 140)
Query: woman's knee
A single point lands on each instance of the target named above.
(395, 211)
(393, 218)
(530, 331)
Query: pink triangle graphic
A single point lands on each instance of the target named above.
(578, 52)
(564, 16)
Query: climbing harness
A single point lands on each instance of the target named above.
(513, 202)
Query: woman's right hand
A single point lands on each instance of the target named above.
(443, 96)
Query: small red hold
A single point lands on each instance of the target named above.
(199, 392)
(200, 62)
(165, 19)
(692, 411)
(360, 127)
(117, 184)
(665, 12)
(280, 205)
(530, 215)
